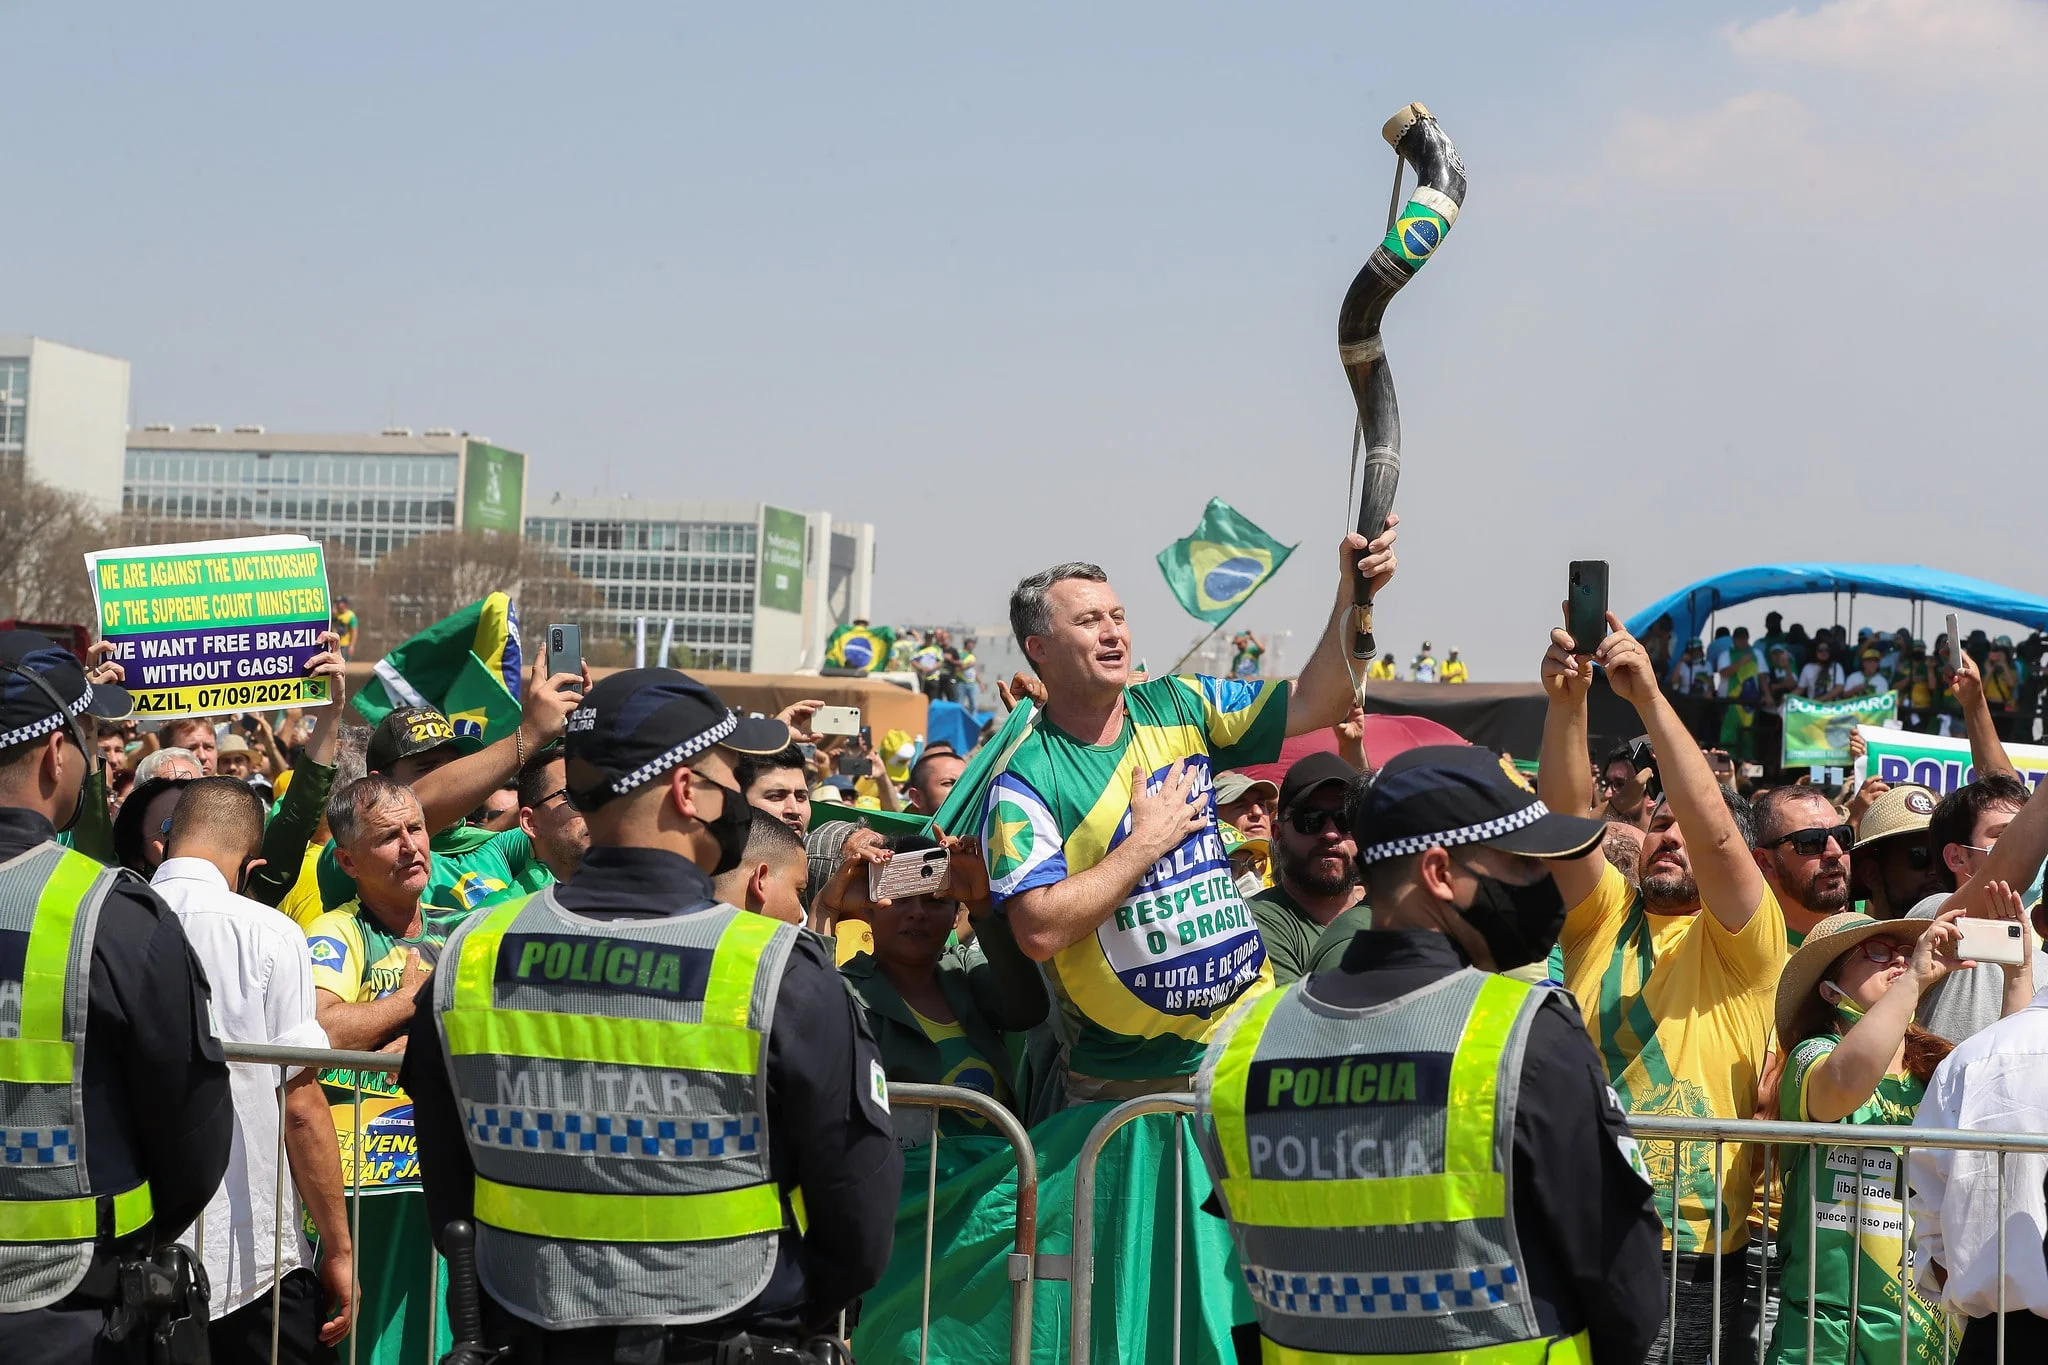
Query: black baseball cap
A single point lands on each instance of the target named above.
(29, 712)
(405, 732)
(1445, 795)
(640, 723)
(1310, 772)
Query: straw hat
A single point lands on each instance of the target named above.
(1832, 937)
(1905, 809)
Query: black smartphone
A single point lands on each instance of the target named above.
(1585, 617)
(565, 650)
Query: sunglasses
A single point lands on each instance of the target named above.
(1811, 843)
(559, 793)
(1310, 822)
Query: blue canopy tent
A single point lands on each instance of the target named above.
(1690, 606)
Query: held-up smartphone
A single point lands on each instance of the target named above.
(1991, 940)
(855, 762)
(565, 650)
(836, 720)
(923, 873)
(1955, 638)
(1586, 605)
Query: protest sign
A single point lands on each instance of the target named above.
(1817, 732)
(218, 625)
(1937, 761)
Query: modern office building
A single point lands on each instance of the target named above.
(371, 494)
(63, 416)
(748, 587)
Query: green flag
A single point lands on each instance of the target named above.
(465, 666)
(863, 647)
(1221, 563)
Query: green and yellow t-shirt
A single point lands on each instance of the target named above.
(1680, 1010)
(470, 868)
(360, 960)
(961, 1064)
(1821, 1202)
(1143, 994)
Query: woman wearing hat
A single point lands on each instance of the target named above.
(1845, 1015)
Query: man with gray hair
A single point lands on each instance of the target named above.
(1100, 826)
(370, 959)
(170, 763)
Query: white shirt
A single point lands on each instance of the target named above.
(1995, 1081)
(1817, 678)
(1876, 684)
(262, 979)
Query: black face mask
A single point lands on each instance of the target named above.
(1519, 923)
(730, 827)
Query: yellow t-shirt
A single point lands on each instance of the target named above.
(1680, 1011)
(1454, 672)
(302, 903)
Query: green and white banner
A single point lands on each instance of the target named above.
(1817, 732)
(1937, 761)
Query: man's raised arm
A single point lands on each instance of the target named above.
(1564, 771)
(1987, 750)
(449, 793)
(1323, 693)
(1046, 919)
(1730, 885)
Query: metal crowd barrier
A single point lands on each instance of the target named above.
(1022, 1261)
(1648, 1128)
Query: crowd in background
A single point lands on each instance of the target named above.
(1736, 949)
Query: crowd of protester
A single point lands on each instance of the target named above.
(1736, 949)
(1749, 677)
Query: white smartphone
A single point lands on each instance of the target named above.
(836, 720)
(923, 873)
(1955, 637)
(1992, 940)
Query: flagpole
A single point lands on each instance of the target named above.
(1217, 629)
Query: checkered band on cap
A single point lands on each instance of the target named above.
(681, 753)
(36, 729)
(1470, 834)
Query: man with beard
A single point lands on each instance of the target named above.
(1678, 1002)
(1314, 865)
(1802, 848)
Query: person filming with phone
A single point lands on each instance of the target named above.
(1677, 980)
(942, 1015)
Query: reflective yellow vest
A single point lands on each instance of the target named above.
(50, 1216)
(1364, 1160)
(612, 1080)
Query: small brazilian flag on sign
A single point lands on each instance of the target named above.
(1222, 563)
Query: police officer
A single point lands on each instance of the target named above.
(1417, 1155)
(115, 1113)
(664, 1115)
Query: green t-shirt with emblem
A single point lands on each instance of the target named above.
(961, 1064)
(1818, 1225)
(470, 868)
(1140, 997)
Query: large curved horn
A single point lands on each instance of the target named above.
(1419, 228)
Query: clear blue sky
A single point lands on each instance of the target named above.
(1033, 283)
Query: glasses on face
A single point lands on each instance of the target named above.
(1309, 821)
(558, 794)
(1811, 843)
(1883, 952)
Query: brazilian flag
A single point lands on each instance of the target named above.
(465, 666)
(861, 647)
(1221, 564)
